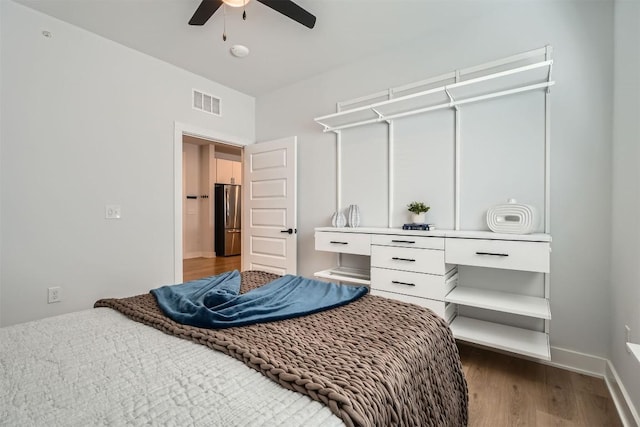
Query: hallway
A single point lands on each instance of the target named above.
(197, 268)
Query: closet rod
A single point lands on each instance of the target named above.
(438, 89)
(441, 106)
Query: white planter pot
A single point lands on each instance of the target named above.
(418, 218)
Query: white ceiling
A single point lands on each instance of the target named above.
(281, 50)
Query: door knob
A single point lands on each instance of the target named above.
(288, 230)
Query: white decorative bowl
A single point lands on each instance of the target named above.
(512, 218)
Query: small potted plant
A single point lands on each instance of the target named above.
(418, 211)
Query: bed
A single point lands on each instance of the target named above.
(372, 362)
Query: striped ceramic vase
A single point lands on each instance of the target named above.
(353, 216)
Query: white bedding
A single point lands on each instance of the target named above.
(97, 367)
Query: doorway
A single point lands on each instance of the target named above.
(204, 162)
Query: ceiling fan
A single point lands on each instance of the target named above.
(286, 7)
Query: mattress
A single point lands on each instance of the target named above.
(97, 367)
(371, 362)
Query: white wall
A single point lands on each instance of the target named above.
(625, 277)
(581, 34)
(88, 122)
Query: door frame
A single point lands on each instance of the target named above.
(181, 129)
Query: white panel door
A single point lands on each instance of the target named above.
(269, 214)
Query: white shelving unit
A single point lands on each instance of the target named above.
(635, 350)
(450, 92)
(437, 295)
(346, 275)
(500, 301)
(518, 340)
(528, 71)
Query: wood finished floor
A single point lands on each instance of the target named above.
(503, 390)
(197, 268)
(509, 391)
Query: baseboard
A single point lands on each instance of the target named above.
(575, 361)
(201, 254)
(626, 410)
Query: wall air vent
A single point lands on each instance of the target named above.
(205, 102)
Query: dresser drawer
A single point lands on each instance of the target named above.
(511, 255)
(408, 259)
(442, 309)
(348, 243)
(413, 284)
(408, 241)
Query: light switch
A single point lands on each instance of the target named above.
(112, 211)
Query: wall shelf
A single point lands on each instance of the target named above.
(635, 350)
(528, 72)
(346, 274)
(500, 301)
(508, 76)
(517, 340)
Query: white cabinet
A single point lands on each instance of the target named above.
(346, 243)
(421, 267)
(228, 172)
(504, 254)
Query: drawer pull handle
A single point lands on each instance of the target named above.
(339, 243)
(402, 241)
(403, 283)
(403, 259)
(491, 253)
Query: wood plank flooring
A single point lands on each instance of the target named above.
(196, 268)
(509, 391)
(503, 390)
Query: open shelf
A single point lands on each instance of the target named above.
(508, 76)
(516, 340)
(635, 349)
(500, 301)
(346, 274)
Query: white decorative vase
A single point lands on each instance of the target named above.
(512, 218)
(418, 218)
(353, 216)
(338, 219)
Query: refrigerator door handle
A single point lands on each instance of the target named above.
(226, 201)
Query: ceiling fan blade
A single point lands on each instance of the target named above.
(206, 9)
(292, 10)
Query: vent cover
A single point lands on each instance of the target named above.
(206, 102)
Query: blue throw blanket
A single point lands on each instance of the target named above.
(216, 302)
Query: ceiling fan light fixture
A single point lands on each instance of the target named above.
(235, 3)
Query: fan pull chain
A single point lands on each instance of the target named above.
(244, 11)
(224, 23)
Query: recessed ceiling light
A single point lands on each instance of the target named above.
(239, 51)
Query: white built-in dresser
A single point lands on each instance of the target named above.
(421, 267)
(492, 288)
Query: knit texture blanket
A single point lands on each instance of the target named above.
(374, 362)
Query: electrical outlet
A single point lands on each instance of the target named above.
(112, 212)
(55, 294)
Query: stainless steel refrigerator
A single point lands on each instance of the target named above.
(228, 212)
